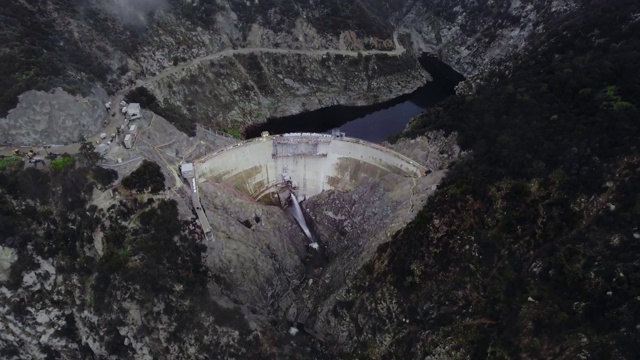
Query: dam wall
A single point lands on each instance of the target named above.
(313, 162)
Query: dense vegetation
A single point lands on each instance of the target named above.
(45, 54)
(328, 17)
(531, 247)
(72, 44)
(48, 215)
(146, 178)
(169, 111)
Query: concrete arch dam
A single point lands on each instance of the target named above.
(312, 162)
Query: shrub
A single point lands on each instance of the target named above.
(62, 164)
(235, 133)
(104, 177)
(140, 95)
(12, 162)
(146, 178)
(585, 92)
(88, 156)
(623, 105)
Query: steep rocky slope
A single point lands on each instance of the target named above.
(54, 117)
(169, 46)
(71, 44)
(529, 249)
(236, 91)
(477, 38)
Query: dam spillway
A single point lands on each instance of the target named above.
(313, 162)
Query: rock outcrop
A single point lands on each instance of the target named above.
(477, 37)
(231, 64)
(55, 117)
(235, 91)
(353, 224)
(255, 251)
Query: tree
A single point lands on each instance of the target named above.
(87, 155)
(104, 177)
(62, 164)
(146, 178)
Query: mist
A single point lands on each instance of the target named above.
(133, 12)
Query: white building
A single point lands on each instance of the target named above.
(133, 111)
(187, 170)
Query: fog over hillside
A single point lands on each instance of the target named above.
(133, 12)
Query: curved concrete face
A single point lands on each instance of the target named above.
(313, 162)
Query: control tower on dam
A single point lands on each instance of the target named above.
(310, 163)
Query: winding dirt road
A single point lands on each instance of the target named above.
(116, 121)
(399, 50)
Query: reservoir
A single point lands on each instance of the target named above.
(373, 123)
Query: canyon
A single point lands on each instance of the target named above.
(313, 246)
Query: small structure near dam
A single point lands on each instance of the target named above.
(267, 167)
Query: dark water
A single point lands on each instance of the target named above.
(373, 123)
(379, 125)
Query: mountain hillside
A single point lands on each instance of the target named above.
(531, 248)
(231, 63)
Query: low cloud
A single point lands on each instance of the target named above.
(134, 12)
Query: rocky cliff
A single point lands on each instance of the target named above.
(525, 251)
(528, 247)
(117, 43)
(229, 64)
(242, 89)
(54, 117)
(478, 38)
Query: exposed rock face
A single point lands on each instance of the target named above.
(476, 36)
(255, 252)
(355, 223)
(7, 257)
(234, 91)
(231, 64)
(433, 149)
(54, 117)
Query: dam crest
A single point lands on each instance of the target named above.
(265, 168)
